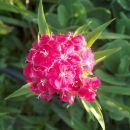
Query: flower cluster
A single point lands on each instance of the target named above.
(62, 64)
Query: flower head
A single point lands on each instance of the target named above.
(60, 64)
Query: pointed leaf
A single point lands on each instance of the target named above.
(95, 34)
(82, 29)
(95, 109)
(110, 35)
(103, 54)
(20, 92)
(42, 24)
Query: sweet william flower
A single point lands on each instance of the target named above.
(61, 65)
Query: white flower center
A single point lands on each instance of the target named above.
(88, 63)
(45, 53)
(62, 74)
(63, 56)
(43, 81)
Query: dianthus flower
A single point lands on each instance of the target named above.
(61, 64)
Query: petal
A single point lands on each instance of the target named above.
(65, 97)
(96, 83)
(30, 55)
(38, 59)
(58, 83)
(34, 88)
(46, 97)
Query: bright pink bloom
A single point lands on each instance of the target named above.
(56, 65)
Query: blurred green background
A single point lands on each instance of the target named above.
(18, 30)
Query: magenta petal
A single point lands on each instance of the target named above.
(58, 84)
(46, 97)
(96, 83)
(66, 98)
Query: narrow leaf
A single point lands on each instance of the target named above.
(95, 34)
(115, 106)
(3, 114)
(4, 29)
(109, 78)
(74, 123)
(103, 54)
(20, 92)
(28, 15)
(95, 109)
(116, 89)
(82, 29)
(110, 35)
(50, 127)
(13, 21)
(42, 24)
(5, 109)
(62, 15)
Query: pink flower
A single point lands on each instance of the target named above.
(61, 64)
(88, 90)
(88, 60)
(87, 94)
(66, 97)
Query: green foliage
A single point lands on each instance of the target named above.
(62, 15)
(95, 34)
(20, 92)
(4, 29)
(95, 110)
(102, 55)
(19, 25)
(42, 24)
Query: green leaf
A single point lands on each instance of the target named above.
(100, 13)
(110, 35)
(13, 21)
(62, 114)
(62, 15)
(125, 4)
(82, 29)
(51, 1)
(74, 123)
(42, 24)
(124, 65)
(112, 63)
(4, 29)
(50, 127)
(103, 54)
(8, 7)
(8, 109)
(20, 92)
(95, 109)
(123, 75)
(95, 34)
(115, 106)
(28, 15)
(125, 90)
(109, 78)
(3, 113)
